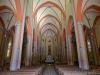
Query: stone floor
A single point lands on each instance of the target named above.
(49, 70)
(52, 70)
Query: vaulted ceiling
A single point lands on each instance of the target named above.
(49, 17)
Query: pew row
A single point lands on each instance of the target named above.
(32, 71)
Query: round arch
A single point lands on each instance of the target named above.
(49, 15)
(52, 10)
(49, 30)
(50, 4)
(52, 21)
(94, 7)
(49, 24)
(49, 35)
(5, 7)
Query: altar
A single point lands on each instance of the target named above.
(49, 59)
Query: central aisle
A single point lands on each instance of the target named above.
(50, 70)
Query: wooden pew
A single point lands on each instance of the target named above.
(34, 71)
(65, 71)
